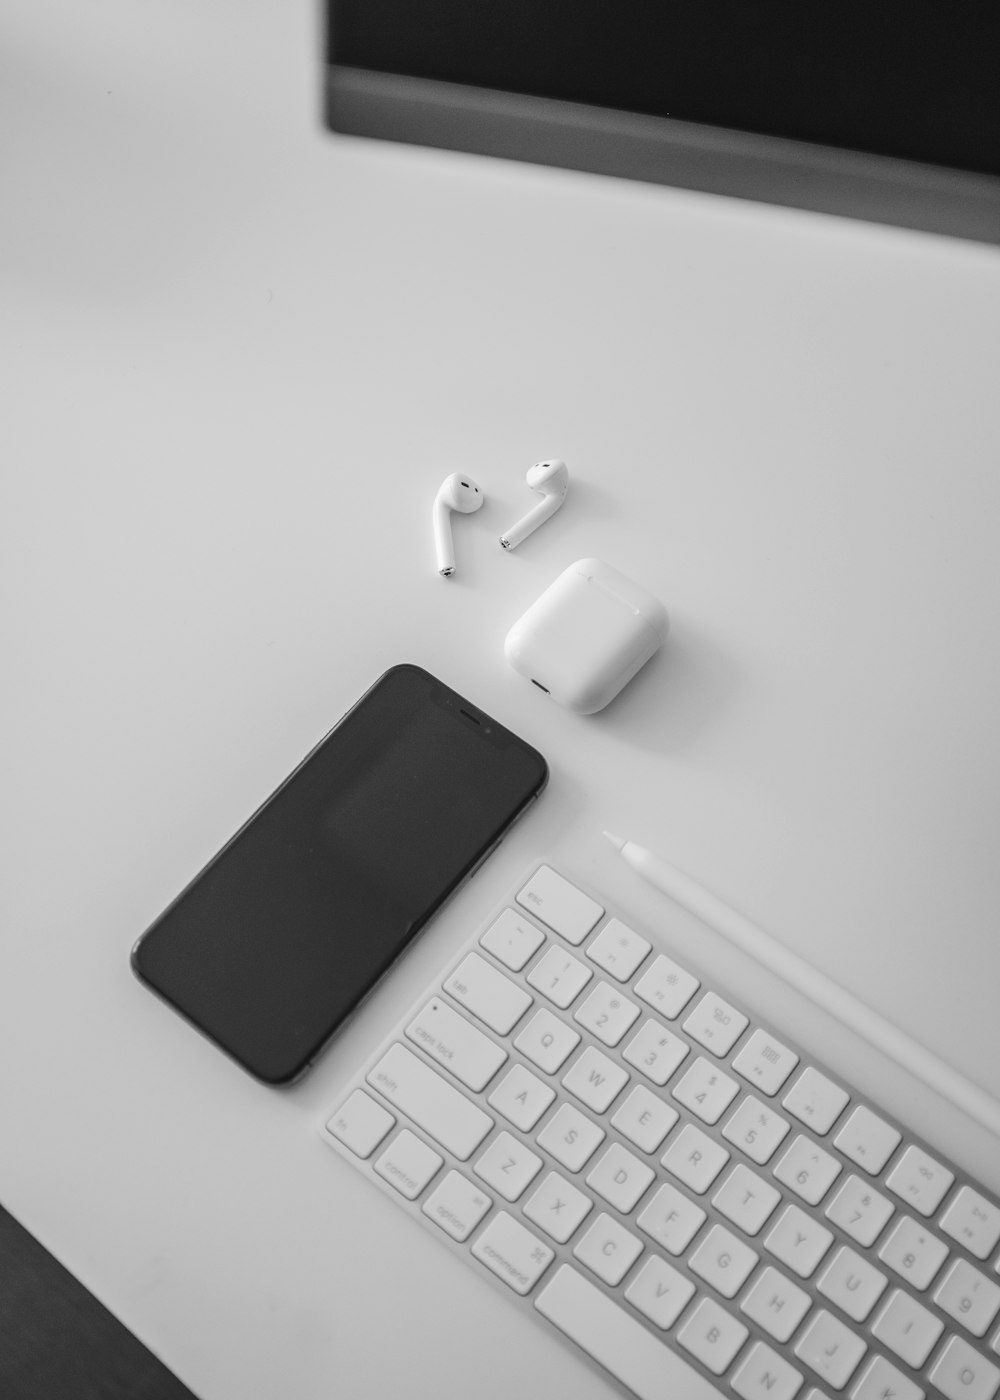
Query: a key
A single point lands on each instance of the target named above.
(508, 1166)
(565, 909)
(671, 1219)
(705, 1090)
(644, 1118)
(694, 1158)
(488, 994)
(666, 987)
(715, 1024)
(595, 1080)
(776, 1303)
(860, 1210)
(558, 1207)
(608, 1249)
(619, 950)
(807, 1170)
(408, 1164)
(512, 939)
(907, 1328)
(521, 1097)
(360, 1123)
(620, 1178)
(443, 1112)
(512, 1252)
(973, 1221)
(852, 1283)
(559, 976)
(831, 1349)
(765, 1062)
(457, 1206)
(618, 1342)
(454, 1042)
(606, 1013)
(816, 1100)
(655, 1051)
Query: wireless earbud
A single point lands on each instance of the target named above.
(551, 478)
(459, 493)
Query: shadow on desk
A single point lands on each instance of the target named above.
(57, 1342)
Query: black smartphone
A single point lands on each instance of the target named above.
(285, 932)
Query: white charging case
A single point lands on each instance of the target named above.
(587, 635)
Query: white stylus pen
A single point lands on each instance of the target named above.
(812, 983)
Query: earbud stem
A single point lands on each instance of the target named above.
(547, 507)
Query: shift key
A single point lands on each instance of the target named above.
(419, 1091)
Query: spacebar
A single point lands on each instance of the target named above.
(620, 1343)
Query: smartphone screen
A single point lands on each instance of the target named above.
(285, 932)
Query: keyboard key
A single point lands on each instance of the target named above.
(746, 1199)
(508, 1166)
(560, 905)
(454, 1042)
(852, 1283)
(512, 939)
(765, 1062)
(521, 1097)
(547, 1041)
(914, 1253)
(606, 1013)
(559, 976)
(973, 1221)
(713, 1335)
(671, 1219)
(660, 1292)
(443, 1112)
(867, 1140)
(512, 1252)
(860, 1210)
(723, 1261)
(764, 1375)
(618, 1342)
(408, 1164)
(488, 994)
(655, 1051)
(816, 1100)
(715, 1024)
(706, 1091)
(776, 1303)
(831, 1349)
(881, 1379)
(619, 950)
(457, 1206)
(644, 1119)
(695, 1159)
(907, 1328)
(961, 1373)
(798, 1240)
(969, 1297)
(807, 1170)
(558, 1207)
(666, 987)
(756, 1130)
(919, 1180)
(620, 1178)
(608, 1249)
(361, 1123)
(570, 1137)
(595, 1080)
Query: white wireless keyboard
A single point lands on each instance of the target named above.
(682, 1193)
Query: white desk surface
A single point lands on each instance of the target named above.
(239, 355)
